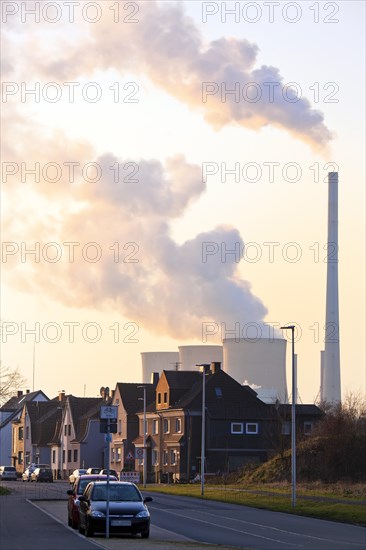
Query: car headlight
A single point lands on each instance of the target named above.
(97, 514)
(77, 502)
(143, 514)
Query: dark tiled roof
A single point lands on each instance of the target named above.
(15, 402)
(82, 410)
(131, 393)
(222, 392)
(181, 380)
(43, 429)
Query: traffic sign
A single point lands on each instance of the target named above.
(108, 438)
(129, 456)
(139, 452)
(108, 411)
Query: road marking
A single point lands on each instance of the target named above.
(284, 531)
(229, 528)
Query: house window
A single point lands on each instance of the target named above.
(75, 455)
(165, 397)
(69, 429)
(308, 428)
(112, 454)
(65, 432)
(20, 433)
(178, 425)
(53, 456)
(173, 456)
(27, 432)
(165, 458)
(69, 455)
(236, 427)
(27, 458)
(155, 430)
(252, 427)
(63, 456)
(286, 428)
(218, 392)
(155, 457)
(119, 426)
(166, 426)
(119, 453)
(159, 398)
(20, 457)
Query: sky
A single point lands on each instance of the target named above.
(164, 166)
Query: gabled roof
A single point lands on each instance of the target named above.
(82, 409)
(44, 421)
(222, 392)
(16, 402)
(302, 410)
(131, 393)
(181, 380)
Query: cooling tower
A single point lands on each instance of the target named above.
(331, 370)
(190, 356)
(157, 361)
(261, 362)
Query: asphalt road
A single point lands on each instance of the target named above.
(177, 522)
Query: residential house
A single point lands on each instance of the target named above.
(77, 441)
(128, 397)
(33, 430)
(10, 411)
(239, 427)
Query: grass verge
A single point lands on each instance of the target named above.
(4, 491)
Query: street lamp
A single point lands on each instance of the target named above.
(203, 434)
(144, 439)
(293, 415)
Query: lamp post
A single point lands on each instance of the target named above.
(144, 440)
(203, 432)
(293, 415)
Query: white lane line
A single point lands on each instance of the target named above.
(285, 531)
(228, 528)
(63, 524)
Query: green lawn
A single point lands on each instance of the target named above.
(4, 491)
(278, 498)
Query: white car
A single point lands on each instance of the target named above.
(8, 473)
(75, 474)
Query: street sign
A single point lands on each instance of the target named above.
(108, 411)
(108, 438)
(139, 452)
(129, 456)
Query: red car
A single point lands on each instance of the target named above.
(77, 490)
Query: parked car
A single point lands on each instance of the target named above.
(75, 493)
(93, 471)
(111, 473)
(127, 508)
(8, 473)
(75, 474)
(42, 474)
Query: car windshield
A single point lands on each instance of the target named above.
(117, 493)
(9, 469)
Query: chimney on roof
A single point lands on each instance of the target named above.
(216, 366)
(154, 378)
(28, 391)
(61, 395)
(19, 393)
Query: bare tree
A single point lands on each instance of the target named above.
(10, 381)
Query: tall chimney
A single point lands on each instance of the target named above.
(331, 376)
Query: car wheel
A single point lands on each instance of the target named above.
(89, 531)
(145, 534)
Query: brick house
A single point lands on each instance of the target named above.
(128, 398)
(240, 427)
